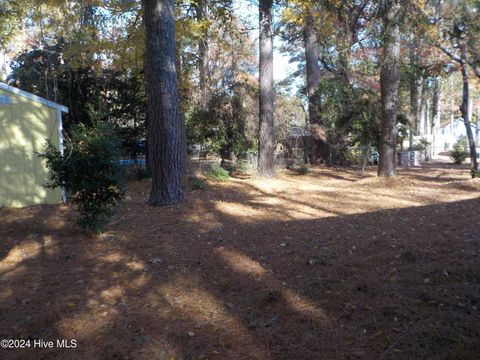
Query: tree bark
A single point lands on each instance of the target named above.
(202, 9)
(312, 70)
(318, 153)
(415, 89)
(166, 139)
(423, 118)
(436, 111)
(464, 108)
(389, 77)
(266, 146)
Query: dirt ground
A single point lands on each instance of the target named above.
(336, 264)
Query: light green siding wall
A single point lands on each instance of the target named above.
(24, 127)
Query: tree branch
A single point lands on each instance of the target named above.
(450, 54)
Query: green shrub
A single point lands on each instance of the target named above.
(228, 165)
(90, 171)
(303, 170)
(355, 156)
(242, 166)
(217, 173)
(422, 144)
(196, 183)
(299, 169)
(459, 152)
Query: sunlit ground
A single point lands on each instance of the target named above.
(335, 264)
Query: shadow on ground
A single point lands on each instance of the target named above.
(231, 274)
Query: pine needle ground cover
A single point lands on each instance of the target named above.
(335, 264)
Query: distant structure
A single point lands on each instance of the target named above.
(442, 139)
(448, 135)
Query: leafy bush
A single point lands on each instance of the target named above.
(228, 165)
(351, 111)
(300, 169)
(303, 170)
(421, 146)
(196, 183)
(459, 152)
(218, 173)
(423, 143)
(242, 166)
(90, 171)
(223, 126)
(355, 156)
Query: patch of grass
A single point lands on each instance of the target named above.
(218, 174)
(300, 169)
(196, 183)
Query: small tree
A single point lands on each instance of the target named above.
(459, 152)
(89, 170)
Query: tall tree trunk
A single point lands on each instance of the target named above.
(148, 155)
(147, 126)
(415, 86)
(464, 108)
(202, 9)
(166, 138)
(318, 152)
(423, 108)
(436, 111)
(389, 77)
(345, 56)
(266, 146)
(312, 70)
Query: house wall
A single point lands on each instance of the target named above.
(24, 127)
(451, 133)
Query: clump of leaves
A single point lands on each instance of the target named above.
(217, 173)
(242, 166)
(196, 183)
(135, 172)
(424, 143)
(421, 145)
(459, 152)
(303, 170)
(355, 156)
(299, 169)
(90, 171)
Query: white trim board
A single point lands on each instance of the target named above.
(33, 97)
(61, 147)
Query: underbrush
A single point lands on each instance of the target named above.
(217, 173)
(300, 169)
(196, 183)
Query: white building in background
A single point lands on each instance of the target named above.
(445, 137)
(442, 139)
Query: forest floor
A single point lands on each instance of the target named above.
(335, 264)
